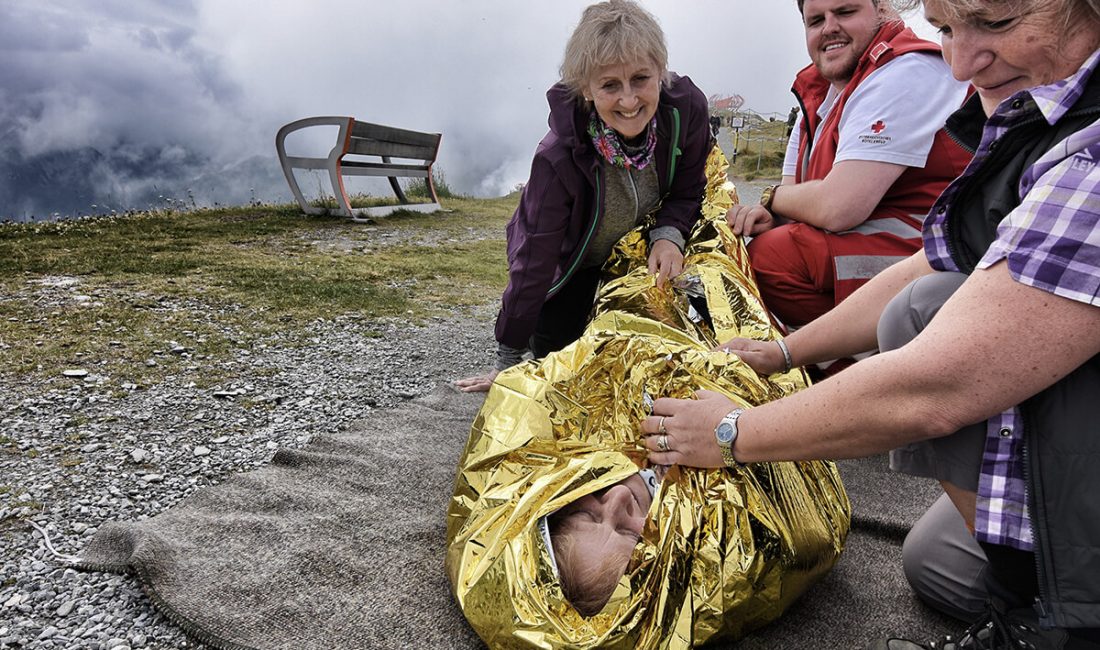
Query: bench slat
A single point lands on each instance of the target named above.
(352, 167)
(393, 134)
(370, 147)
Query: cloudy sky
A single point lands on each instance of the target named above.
(116, 101)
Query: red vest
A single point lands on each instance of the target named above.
(893, 229)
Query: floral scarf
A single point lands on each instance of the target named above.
(609, 145)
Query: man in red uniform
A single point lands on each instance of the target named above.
(865, 164)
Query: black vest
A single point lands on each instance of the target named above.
(1062, 423)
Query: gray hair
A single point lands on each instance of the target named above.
(1074, 13)
(616, 31)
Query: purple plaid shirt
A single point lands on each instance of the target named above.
(1051, 242)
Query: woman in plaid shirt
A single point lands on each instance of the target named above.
(998, 396)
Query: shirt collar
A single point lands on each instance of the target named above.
(1056, 99)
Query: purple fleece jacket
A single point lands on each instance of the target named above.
(562, 202)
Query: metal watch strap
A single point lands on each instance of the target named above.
(768, 196)
(727, 448)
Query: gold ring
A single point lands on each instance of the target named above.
(661, 425)
(662, 442)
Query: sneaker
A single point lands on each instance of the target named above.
(1016, 630)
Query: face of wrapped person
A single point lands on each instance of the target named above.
(605, 526)
(625, 96)
(1004, 48)
(837, 34)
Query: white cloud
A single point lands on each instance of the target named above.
(212, 80)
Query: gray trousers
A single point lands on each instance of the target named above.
(942, 560)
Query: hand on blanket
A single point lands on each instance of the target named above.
(665, 260)
(765, 357)
(478, 383)
(687, 426)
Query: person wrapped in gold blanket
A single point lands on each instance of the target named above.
(559, 537)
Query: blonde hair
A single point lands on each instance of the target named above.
(586, 590)
(616, 31)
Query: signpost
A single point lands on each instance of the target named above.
(736, 123)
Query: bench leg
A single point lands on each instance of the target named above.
(431, 185)
(397, 190)
(395, 185)
(343, 205)
(297, 191)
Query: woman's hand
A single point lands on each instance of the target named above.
(749, 219)
(477, 384)
(665, 260)
(765, 357)
(688, 428)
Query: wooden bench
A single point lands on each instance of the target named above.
(364, 140)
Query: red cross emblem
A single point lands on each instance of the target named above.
(878, 127)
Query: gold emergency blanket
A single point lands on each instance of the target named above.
(723, 551)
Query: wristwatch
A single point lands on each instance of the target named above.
(726, 434)
(767, 196)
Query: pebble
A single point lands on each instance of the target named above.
(14, 601)
(75, 373)
(146, 448)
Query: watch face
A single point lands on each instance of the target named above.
(724, 432)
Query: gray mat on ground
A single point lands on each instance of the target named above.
(341, 544)
(884, 501)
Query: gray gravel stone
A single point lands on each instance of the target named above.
(139, 444)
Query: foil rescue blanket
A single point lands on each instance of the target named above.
(723, 551)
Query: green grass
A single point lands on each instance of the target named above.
(207, 279)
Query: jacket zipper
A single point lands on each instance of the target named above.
(1045, 620)
(637, 201)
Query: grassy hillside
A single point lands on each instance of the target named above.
(121, 292)
(760, 151)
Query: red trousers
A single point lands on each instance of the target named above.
(794, 270)
(804, 271)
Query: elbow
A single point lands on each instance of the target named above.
(938, 421)
(839, 218)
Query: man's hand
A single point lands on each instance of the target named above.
(750, 219)
(665, 260)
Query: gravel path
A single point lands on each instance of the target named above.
(76, 452)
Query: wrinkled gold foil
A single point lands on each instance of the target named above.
(723, 551)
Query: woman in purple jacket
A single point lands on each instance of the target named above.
(627, 139)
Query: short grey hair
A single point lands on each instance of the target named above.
(1073, 12)
(616, 31)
